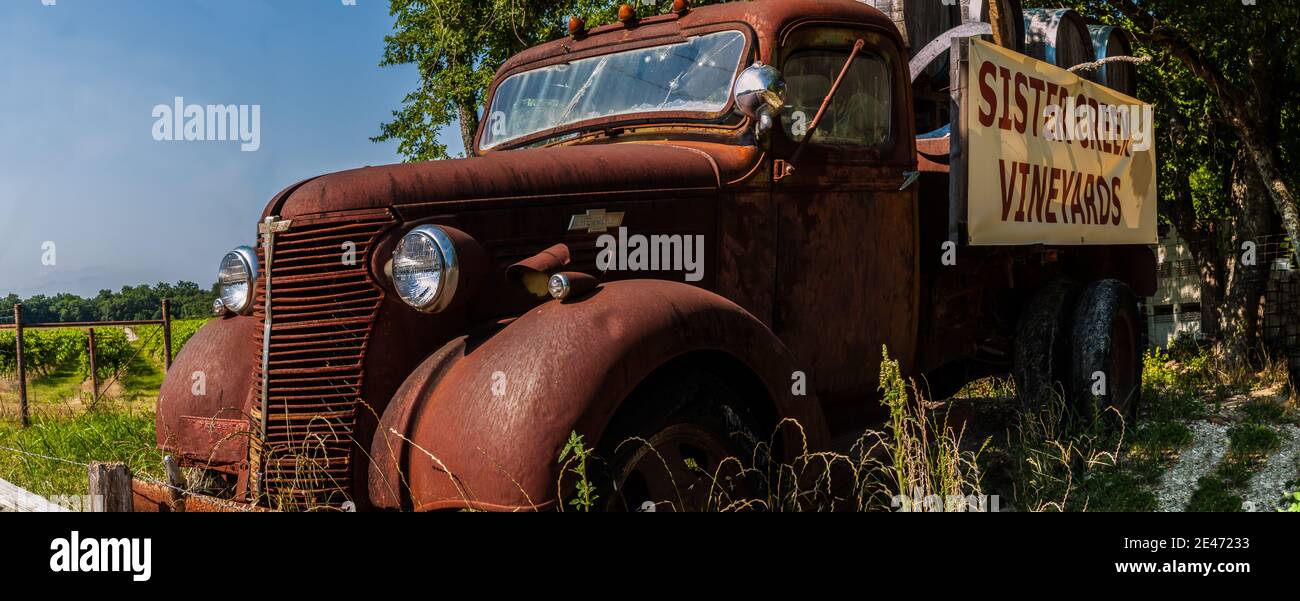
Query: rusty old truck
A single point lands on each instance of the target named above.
(683, 229)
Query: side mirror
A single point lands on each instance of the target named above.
(760, 93)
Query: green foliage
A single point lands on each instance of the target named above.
(43, 350)
(1172, 390)
(64, 353)
(925, 451)
(131, 303)
(151, 337)
(1112, 489)
(1294, 500)
(1252, 439)
(113, 352)
(457, 46)
(573, 458)
(1248, 444)
(1214, 494)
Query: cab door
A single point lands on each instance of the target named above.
(847, 279)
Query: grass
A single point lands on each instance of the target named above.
(1249, 444)
(63, 384)
(915, 464)
(1087, 465)
(67, 425)
(1252, 441)
(112, 433)
(992, 387)
(1160, 440)
(1062, 463)
(1265, 412)
(1214, 494)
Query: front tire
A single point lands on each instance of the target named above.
(666, 449)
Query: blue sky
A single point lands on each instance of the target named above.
(78, 162)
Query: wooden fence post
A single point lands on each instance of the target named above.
(94, 372)
(110, 487)
(176, 478)
(22, 372)
(167, 334)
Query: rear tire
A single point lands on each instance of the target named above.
(1107, 342)
(1042, 358)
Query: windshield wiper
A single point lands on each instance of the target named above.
(564, 117)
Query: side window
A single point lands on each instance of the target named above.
(862, 112)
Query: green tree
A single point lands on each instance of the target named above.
(458, 45)
(1223, 79)
(131, 303)
(1227, 73)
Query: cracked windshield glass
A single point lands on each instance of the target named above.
(692, 76)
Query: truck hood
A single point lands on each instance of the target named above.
(521, 176)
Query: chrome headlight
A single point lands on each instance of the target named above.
(236, 280)
(425, 269)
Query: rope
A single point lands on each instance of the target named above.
(1093, 66)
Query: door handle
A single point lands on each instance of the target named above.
(909, 178)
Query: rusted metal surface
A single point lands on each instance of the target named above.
(94, 372)
(151, 497)
(324, 302)
(533, 273)
(84, 324)
(208, 425)
(504, 180)
(848, 270)
(566, 366)
(21, 368)
(167, 334)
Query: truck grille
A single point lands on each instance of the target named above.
(322, 310)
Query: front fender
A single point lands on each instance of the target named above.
(449, 439)
(204, 400)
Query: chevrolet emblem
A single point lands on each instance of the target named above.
(595, 221)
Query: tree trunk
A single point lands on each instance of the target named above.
(1245, 283)
(468, 115)
(1264, 158)
(1202, 238)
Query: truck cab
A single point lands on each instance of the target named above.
(694, 230)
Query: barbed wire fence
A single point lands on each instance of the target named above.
(181, 492)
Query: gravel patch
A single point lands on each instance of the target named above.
(1209, 445)
(1269, 484)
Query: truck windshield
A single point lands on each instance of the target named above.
(692, 76)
